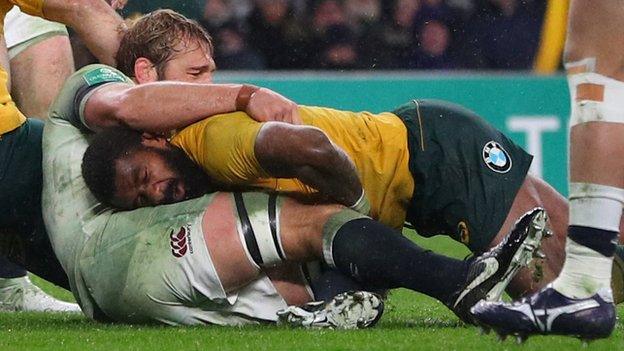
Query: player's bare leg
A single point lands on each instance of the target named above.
(580, 302)
(34, 89)
(372, 254)
(235, 269)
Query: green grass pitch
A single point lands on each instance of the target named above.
(411, 322)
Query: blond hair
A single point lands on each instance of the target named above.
(155, 37)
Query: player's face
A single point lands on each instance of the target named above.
(193, 63)
(148, 177)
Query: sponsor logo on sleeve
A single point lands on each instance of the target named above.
(496, 157)
(102, 75)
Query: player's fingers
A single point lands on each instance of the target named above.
(288, 114)
(295, 118)
(120, 4)
(281, 116)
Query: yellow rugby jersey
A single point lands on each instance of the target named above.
(10, 116)
(223, 146)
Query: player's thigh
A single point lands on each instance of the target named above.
(467, 173)
(595, 33)
(246, 232)
(38, 72)
(251, 232)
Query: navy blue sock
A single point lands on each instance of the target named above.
(599, 240)
(331, 283)
(9, 269)
(381, 258)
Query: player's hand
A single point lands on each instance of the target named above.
(117, 4)
(266, 105)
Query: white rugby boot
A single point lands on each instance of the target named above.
(21, 295)
(350, 310)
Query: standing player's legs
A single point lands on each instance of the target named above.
(8, 269)
(580, 302)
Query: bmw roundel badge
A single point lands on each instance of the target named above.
(496, 158)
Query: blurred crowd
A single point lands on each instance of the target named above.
(366, 34)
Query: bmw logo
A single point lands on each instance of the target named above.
(496, 158)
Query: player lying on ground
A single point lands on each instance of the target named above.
(437, 165)
(233, 258)
(20, 189)
(80, 231)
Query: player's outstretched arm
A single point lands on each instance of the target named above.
(167, 105)
(159, 106)
(306, 153)
(95, 21)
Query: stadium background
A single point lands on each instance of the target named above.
(500, 58)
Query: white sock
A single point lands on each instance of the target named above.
(586, 270)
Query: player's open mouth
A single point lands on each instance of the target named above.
(172, 190)
(179, 192)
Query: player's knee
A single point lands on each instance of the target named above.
(595, 97)
(331, 228)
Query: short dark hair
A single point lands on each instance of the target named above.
(155, 36)
(98, 162)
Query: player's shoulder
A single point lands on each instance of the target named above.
(77, 88)
(91, 76)
(97, 74)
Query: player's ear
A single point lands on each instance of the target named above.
(154, 140)
(145, 71)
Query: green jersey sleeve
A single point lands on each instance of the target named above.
(71, 100)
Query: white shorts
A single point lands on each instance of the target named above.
(152, 264)
(22, 30)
